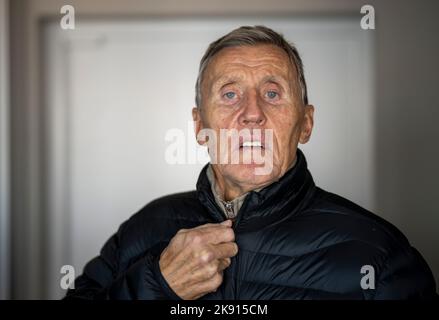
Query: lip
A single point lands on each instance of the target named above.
(252, 144)
(252, 141)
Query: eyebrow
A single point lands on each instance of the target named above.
(274, 79)
(223, 80)
(226, 80)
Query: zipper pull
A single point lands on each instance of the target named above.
(229, 209)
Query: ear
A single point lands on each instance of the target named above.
(198, 124)
(308, 124)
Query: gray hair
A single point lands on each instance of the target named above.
(250, 36)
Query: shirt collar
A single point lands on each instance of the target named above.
(229, 208)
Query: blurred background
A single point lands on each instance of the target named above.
(84, 115)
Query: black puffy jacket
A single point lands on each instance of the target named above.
(296, 241)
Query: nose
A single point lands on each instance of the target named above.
(252, 112)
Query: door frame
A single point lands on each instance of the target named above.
(4, 153)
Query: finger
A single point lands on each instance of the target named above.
(224, 263)
(209, 285)
(209, 233)
(204, 272)
(225, 250)
(207, 225)
(227, 222)
(178, 264)
(217, 234)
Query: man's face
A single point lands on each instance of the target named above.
(254, 87)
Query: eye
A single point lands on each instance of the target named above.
(272, 94)
(230, 95)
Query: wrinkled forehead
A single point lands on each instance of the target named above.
(266, 62)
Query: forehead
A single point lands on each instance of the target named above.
(268, 60)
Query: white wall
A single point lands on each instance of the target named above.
(115, 88)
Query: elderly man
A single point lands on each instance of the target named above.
(245, 234)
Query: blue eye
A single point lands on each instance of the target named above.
(230, 95)
(272, 94)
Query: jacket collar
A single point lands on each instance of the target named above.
(282, 197)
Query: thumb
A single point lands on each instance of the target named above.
(227, 223)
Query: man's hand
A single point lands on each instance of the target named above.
(194, 260)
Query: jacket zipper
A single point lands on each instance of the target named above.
(235, 220)
(235, 272)
(230, 214)
(229, 209)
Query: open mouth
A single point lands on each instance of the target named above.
(251, 144)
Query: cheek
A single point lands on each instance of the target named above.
(287, 129)
(213, 120)
(219, 119)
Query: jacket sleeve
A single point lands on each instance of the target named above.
(405, 275)
(102, 279)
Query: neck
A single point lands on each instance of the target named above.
(228, 189)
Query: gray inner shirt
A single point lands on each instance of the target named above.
(229, 208)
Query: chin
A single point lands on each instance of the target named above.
(250, 174)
